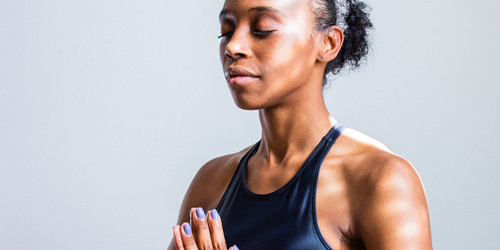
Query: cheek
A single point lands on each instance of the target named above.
(289, 56)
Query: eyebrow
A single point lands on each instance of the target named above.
(259, 9)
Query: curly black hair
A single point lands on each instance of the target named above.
(356, 42)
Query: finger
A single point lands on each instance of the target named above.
(217, 234)
(187, 237)
(178, 238)
(234, 248)
(191, 213)
(200, 229)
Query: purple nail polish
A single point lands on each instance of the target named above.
(200, 213)
(215, 214)
(187, 229)
(236, 248)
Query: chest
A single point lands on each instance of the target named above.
(302, 214)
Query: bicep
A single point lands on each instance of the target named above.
(396, 216)
(196, 196)
(207, 187)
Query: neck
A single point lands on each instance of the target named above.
(294, 128)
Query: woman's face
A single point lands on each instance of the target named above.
(269, 51)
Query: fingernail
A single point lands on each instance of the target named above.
(200, 213)
(215, 214)
(187, 229)
(236, 248)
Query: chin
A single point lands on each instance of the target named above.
(248, 103)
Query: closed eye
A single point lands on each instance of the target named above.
(262, 33)
(225, 34)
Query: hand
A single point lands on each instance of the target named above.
(203, 232)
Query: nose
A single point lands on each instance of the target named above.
(238, 45)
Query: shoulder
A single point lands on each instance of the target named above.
(371, 164)
(389, 205)
(210, 182)
(214, 176)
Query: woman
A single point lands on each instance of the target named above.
(309, 183)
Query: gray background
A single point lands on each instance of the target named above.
(108, 108)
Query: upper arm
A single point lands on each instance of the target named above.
(395, 213)
(207, 187)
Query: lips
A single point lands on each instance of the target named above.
(239, 76)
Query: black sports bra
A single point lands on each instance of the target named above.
(283, 219)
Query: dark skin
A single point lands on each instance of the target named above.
(273, 59)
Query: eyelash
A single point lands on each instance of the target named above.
(225, 34)
(259, 33)
(262, 33)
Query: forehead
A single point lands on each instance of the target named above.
(283, 8)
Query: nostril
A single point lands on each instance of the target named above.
(238, 56)
(235, 55)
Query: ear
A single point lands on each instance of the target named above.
(332, 42)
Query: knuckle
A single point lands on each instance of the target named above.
(202, 224)
(205, 244)
(220, 245)
(217, 226)
(190, 241)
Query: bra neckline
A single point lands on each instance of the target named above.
(254, 149)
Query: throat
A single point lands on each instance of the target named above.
(265, 178)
